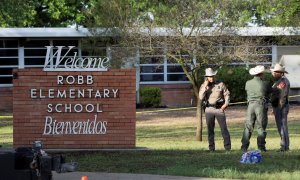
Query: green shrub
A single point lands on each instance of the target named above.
(150, 97)
(235, 79)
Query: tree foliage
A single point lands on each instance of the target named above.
(193, 33)
(42, 13)
(60, 13)
(282, 13)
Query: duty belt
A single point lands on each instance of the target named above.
(257, 101)
(214, 106)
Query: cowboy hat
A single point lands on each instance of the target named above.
(257, 70)
(209, 72)
(278, 68)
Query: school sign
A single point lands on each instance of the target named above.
(74, 103)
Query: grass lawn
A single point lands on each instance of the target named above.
(6, 130)
(170, 137)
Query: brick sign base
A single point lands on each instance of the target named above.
(74, 110)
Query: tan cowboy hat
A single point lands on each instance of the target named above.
(210, 72)
(257, 70)
(278, 68)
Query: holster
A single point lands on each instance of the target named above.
(204, 104)
(219, 104)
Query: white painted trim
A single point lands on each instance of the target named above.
(21, 57)
(274, 54)
(165, 72)
(44, 32)
(169, 82)
(6, 85)
(158, 31)
(9, 66)
(137, 74)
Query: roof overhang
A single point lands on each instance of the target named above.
(43, 32)
(158, 31)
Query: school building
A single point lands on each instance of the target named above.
(22, 48)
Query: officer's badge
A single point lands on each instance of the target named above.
(281, 85)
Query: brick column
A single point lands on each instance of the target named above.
(95, 115)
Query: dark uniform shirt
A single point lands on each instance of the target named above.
(257, 89)
(215, 92)
(280, 92)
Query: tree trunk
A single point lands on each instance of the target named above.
(199, 121)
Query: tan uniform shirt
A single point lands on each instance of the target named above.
(214, 93)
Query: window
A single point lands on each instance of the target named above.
(33, 54)
(256, 55)
(175, 73)
(155, 67)
(8, 61)
(70, 42)
(152, 68)
(6, 76)
(35, 50)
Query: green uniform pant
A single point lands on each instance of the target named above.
(256, 113)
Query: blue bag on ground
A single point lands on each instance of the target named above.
(251, 157)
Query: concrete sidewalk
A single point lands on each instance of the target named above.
(119, 176)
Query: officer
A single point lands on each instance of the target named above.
(257, 91)
(280, 104)
(216, 97)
